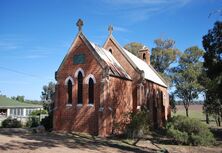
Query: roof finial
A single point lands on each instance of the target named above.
(110, 29)
(79, 24)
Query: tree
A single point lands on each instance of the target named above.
(19, 98)
(134, 47)
(186, 76)
(204, 81)
(48, 96)
(172, 102)
(212, 43)
(163, 56)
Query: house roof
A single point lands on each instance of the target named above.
(149, 72)
(115, 68)
(10, 103)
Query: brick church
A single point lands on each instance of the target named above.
(96, 87)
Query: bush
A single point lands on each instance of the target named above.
(139, 124)
(34, 118)
(11, 123)
(47, 122)
(33, 122)
(38, 112)
(187, 130)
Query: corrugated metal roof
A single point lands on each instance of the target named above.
(10, 103)
(149, 71)
(115, 67)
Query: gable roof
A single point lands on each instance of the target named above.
(81, 35)
(149, 72)
(139, 65)
(115, 68)
(104, 58)
(6, 102)
(122, 51)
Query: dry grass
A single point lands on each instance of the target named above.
(195, 111)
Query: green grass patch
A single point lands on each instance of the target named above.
(196, 114)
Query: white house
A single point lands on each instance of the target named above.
(16, 109)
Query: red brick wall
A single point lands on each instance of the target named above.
(127, 66)
(157, 100)
(148, 84)
(120, 95)
(117, 103)
(121, 101)
(78, 118)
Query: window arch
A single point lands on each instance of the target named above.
(86, 80)
(69, 82)
(110, 50)
(144, 56)
(69, 78)
(77, 72)
(91, 91)
(69, 91)
(80, 88)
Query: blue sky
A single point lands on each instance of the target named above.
(36, 34)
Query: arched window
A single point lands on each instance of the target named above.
(80, 88)
(91, 91)
(144, 56)
(110, 50)
(69, 92)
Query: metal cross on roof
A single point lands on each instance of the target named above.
(79, 24)
(110, 29)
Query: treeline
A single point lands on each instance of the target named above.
(22, 99)
(198, 102)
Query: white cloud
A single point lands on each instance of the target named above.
(120, 29)
(139, 10)
(12, 46)
(4, 45)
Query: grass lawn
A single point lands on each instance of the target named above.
(195, 111)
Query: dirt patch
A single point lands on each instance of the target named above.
(24, 141)
(20, 140)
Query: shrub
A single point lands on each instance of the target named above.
(187, 130)
(38, 112)
(139, 124)
(11, 123)
(34, 118)
(33, 122)
(47, 122)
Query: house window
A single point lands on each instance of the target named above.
(11, 111)
(91, 91)
(69, 92)
(80, 87)
(19, 111)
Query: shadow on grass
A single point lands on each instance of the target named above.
(217, 132)
(32, 141)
